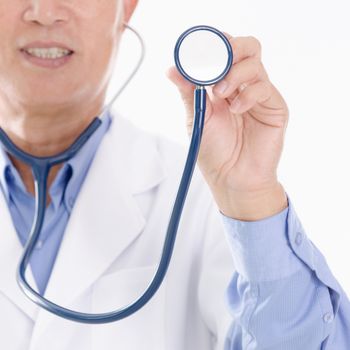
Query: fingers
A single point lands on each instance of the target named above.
(252, 94)
(246, 84)
(244, 47)
(247, 71)
(247, 66)
(186, 88)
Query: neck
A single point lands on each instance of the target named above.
(44, 133)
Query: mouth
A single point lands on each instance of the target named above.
(51, 53)
(48, 55)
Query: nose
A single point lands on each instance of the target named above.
(46, 12)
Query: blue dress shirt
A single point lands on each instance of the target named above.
(282, 295)
(63, 193)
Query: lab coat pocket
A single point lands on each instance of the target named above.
(142, 330)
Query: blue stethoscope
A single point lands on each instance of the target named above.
(42, 165)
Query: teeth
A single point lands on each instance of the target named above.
(49, 53)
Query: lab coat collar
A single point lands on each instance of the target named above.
(106, 218)
(11, 250)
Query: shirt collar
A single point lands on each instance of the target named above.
(80, 163)
(70, 176)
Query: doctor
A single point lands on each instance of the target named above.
(243, 276)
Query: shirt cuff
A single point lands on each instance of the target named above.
(261, 249)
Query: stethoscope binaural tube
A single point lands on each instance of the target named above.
(41, 167)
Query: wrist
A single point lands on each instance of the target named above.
(255, 205)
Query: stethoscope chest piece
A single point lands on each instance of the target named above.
(203, 55)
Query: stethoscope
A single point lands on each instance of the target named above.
(201, 50)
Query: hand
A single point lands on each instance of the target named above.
(243, 135)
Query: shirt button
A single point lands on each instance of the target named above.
(39, 245)
(328, 317)
(298, 238)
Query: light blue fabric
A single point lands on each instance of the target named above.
(63, 193)
(283, 295)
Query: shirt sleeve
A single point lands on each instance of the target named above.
(282, 294)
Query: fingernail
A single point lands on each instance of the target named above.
(235, 105)
(221, 88)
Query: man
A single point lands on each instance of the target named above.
(108, 207)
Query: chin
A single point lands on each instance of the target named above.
(46, 94)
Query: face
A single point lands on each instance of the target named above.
(91, 29)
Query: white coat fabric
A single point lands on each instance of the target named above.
(110, 250)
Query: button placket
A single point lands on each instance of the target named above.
(328, 317)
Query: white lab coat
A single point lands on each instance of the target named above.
(110, 249)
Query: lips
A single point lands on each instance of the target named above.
(52, 58)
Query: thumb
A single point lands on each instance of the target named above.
(186, 88)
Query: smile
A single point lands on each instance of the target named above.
(48, 53)
(52, 57)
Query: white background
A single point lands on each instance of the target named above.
(306, 51)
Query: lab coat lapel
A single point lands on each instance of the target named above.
(10, 253)
(106, 218)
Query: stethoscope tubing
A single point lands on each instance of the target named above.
(41, 167)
